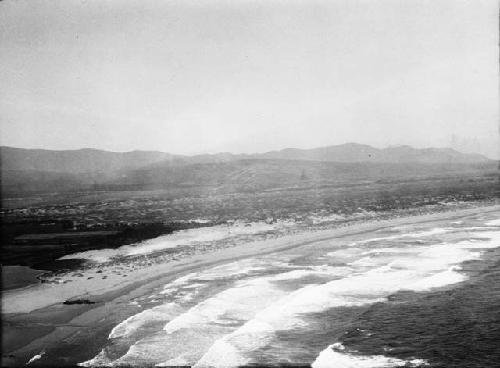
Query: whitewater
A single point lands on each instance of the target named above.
(266, 309)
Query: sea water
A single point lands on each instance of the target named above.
(300, 306)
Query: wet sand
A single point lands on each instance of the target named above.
(46, 322)
(14, 277)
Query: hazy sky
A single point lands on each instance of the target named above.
(248, 76)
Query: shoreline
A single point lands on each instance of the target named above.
(18, 277)
(113, 297)
(18, 300)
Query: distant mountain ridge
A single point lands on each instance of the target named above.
(42, 171)
(92, 160)
(86, 160)
(354, 152)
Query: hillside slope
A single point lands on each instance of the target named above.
(78, 161)
(32, 171)
(262, 174)
(353, 152)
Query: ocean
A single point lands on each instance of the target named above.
(422, 295)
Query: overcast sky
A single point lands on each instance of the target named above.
(249, 76)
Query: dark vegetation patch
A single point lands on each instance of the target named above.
(41, 249)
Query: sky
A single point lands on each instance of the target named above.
(191, 77)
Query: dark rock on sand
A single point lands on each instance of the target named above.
(78, 301)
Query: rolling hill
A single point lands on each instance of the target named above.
(32, 171)
(353, 152)
(85, 160)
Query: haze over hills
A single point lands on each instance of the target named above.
(27, 171)
(84, 160)
(93, 160)
(353, 152)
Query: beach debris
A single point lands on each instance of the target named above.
(78, 301)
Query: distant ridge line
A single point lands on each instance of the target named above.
(348, 145)
(41, 171)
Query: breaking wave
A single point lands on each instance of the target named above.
(335, 356)
(245, 304)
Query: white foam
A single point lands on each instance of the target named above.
(397, 250)
(237, 303)
(285, 313)
(223, 310)
(495, 222)
(418, 274)
(335, 357)
(160, 347)
(245, 297)
(436, 257)
(227, 356)
(490, 238)
(100, 360)
(232, 269)
(440, 279)
(418, 234)
(226, 271)
(435, 231)
(36, 357)
(439, 257)
(246, 315)
(169, 311)
(175, 362)
(176, 284)
(130, 325)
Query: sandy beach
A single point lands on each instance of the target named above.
(217, 184)
(43, 295)
(34, 317)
